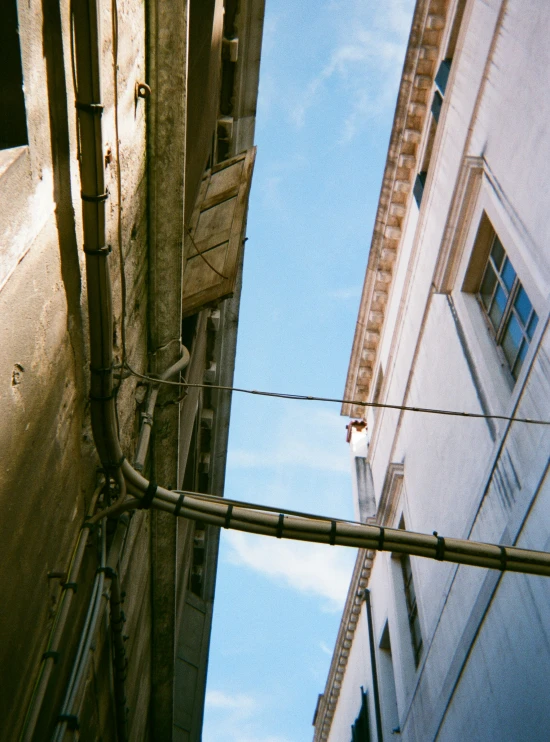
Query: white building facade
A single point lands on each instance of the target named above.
(454, 316)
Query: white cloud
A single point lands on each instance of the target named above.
(325, 648)
(314, 569)
(370, 46)
(299, 440)
(241, 703)
(274, 175)
(233, 717)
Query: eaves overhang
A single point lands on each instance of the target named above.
(408, 131)
(326, 705)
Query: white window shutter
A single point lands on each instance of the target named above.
(214, 238)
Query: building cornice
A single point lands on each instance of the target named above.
(327, 702)
(412, 112)
(326, 705)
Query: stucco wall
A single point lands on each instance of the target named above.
(48, 470)
(486, 647)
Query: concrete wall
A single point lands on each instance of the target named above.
(48, 470)
(486, 637)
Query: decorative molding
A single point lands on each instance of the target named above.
(326, 705)
(409, 124)
(391, 495)
(465, 194)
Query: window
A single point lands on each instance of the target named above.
(13, 121)
(387, 683)
(420, 181)
(419, 184)
(507, 306)
(437, 105)
(442, 76)
(360, 729)
(412, 608)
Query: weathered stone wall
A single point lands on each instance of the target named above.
(48, 470)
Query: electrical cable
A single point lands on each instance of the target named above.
(358, 403)
(201, 254)
(83, 650)
(56, 633)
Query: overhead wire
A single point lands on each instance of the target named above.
(337, 400)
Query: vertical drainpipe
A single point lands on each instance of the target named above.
(373, 668)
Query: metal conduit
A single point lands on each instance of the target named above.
(107, 572)
(147, 416)
(305, 527)
(49, 658)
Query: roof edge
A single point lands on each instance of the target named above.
(411, 114)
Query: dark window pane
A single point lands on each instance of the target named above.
(436, 105)
(520, 359)
(508, 275)
(443, 75)
(532, 325)
(412, 609)
(418, 189)
(13, 121)
(511, 339)
(523, 305)
(497, 252)
(508, 307)
(488, 285)
(497, 310)
(417, 639)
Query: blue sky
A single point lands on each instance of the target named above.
(328, 85)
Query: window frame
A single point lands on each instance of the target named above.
(14, 129)
(460, 268)
(411, 603)
(510, 312)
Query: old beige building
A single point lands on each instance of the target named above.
(126, 135)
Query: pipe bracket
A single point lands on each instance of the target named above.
(96, 198)
(94, 108)
(99, 251)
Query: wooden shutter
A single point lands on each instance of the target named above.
(214, 238)
(190, 668)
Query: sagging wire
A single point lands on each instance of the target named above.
(358, 403)
(201, 254)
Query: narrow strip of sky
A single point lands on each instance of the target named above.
(329, 78)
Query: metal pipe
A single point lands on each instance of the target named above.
(89, 108)
(52, 651)
(372, 648)
(83, 648)
(305, 527)
(100, 598)
(147, 415)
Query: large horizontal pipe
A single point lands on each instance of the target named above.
(287, 524)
